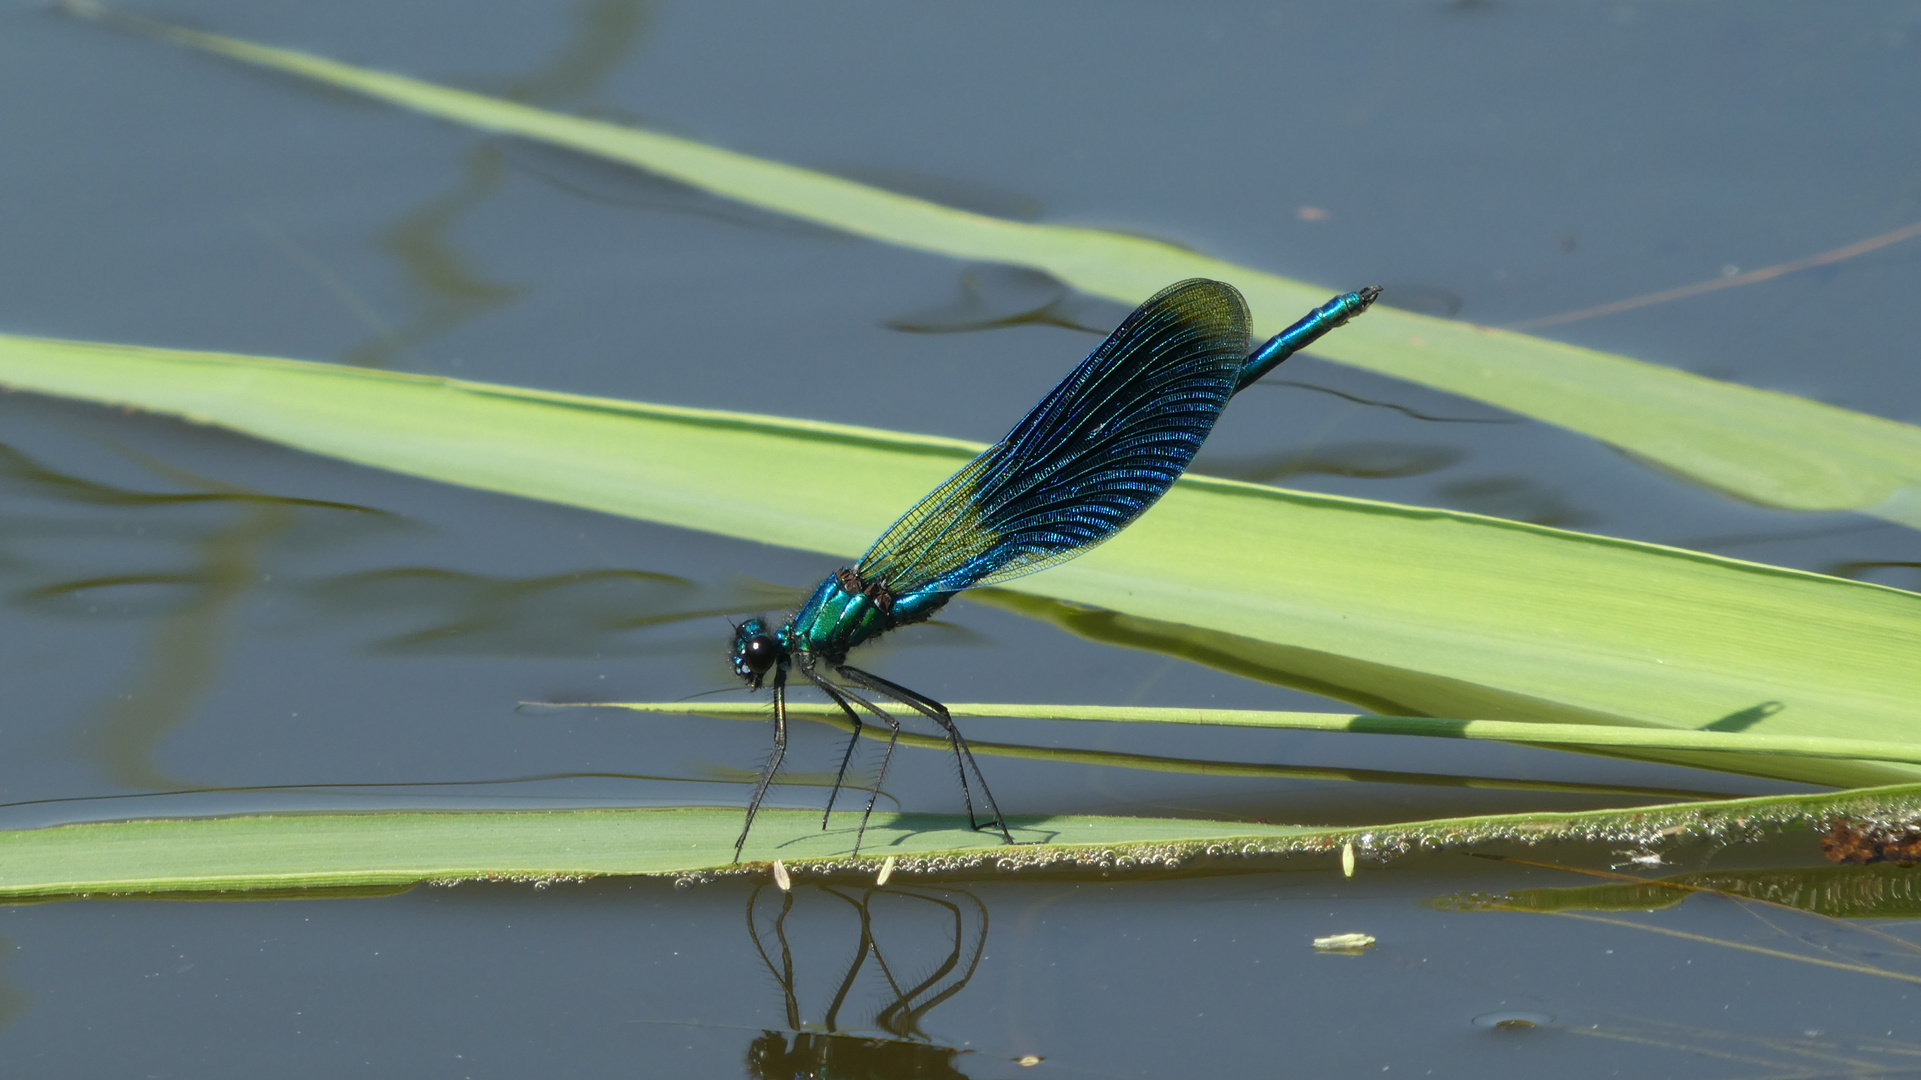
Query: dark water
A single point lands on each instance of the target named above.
(188, 610)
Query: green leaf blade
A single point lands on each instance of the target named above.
(227, 857)
(1761, 446)
(1476, 617)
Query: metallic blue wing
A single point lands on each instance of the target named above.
(1099, 450)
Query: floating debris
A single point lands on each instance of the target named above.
(1514, 1020)
(780, 877)
(1344, 943)
(1643, 858)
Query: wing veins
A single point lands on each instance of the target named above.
(1099, 449)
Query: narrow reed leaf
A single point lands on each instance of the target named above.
(1766, 447)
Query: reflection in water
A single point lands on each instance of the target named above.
(181, 565)
(447, 291)
(182, 660)
(1781, 1055)
(605, 33)
(1359, 460)
(1516, 498)
(1422, 299)
(612, 183)
(992, 297)
(1868, 570)
(1728, 281)
(570, 614)
(1825, 919)
(914, 927)
(970, 194)
(1875, 891)
(1375, 403)
(194, 603)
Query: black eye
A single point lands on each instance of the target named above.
(759, 653)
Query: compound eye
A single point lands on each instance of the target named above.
(759, 653)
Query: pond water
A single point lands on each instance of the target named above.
(302, 633)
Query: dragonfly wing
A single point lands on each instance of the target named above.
(1106, 443)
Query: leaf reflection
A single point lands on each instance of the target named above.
(1516, 498)
(1359, 460)
(995, 297)
(567, 614)
(1875, 891)
(223, 530)
(182, 565)
(950, 922)
(448, 290)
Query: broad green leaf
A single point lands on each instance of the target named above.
(334, 850)
(1461, 615)
(1759, 445)
(277, 852)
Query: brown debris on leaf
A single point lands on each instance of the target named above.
(1864, 840)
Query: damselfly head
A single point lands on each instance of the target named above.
(755, 651)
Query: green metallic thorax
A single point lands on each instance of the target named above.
(845, 611)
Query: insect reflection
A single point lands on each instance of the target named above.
(952, 924)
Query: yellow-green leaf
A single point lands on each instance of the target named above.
(1460, 615)
(1759, 445)
(273, 853)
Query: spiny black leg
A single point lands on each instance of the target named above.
(842, 696)
(873, 793)
(773, 761)
(935, 711)
(852, 740)
(929, 708)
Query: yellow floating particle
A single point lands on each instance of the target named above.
(1344, 943)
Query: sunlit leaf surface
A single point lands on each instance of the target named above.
(1763, 446)
(1455, 614)
(1590, 736)
(277, 852)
